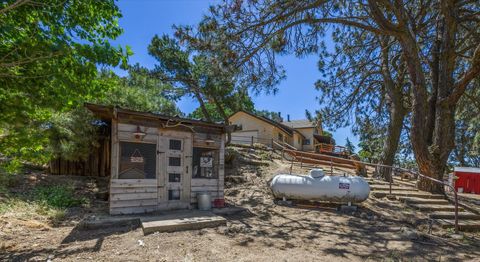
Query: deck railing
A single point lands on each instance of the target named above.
(331, 149)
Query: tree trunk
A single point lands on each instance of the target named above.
(390, 145)
(222, 112)
(395, 100)
(199, 98)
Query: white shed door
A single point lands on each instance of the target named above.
(174, 177)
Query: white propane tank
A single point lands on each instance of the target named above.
(320, 187)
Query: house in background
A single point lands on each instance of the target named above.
(307, 130)
(250, 128)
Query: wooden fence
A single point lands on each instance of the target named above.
(97, 163)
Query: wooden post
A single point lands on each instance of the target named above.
(271, 143)
(252, 142)
(391, 180)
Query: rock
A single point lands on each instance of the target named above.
(141, 243)
(409, 233)
(457, 236)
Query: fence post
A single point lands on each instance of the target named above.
(391, 179)
(252, 142)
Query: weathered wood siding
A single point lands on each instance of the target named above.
(128, 196)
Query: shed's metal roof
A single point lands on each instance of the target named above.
(467, 169)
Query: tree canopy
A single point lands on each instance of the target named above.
(49, 58)
(438, 43)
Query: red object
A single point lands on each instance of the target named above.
(219, 202)
(467, 178)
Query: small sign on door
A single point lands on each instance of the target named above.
(206, 161)
(136, 157)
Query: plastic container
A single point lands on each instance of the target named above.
(204, 201)
(219, 203)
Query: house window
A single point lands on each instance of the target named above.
(205, 162)
(306, 141)
(299, 141)
(280, 136)
(174, 161)
(137, 160)
(174, 178)
(174, 194)
(175, 144)
(238, 127)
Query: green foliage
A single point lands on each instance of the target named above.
(139, 91)
(349, 146)
(49, 56)
(72, 134)
(326, 133)
(467, 135)
(201, 75)
(57, 196)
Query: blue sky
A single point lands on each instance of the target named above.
(142, 19)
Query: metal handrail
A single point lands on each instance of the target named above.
(391, 178)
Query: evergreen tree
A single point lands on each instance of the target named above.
(349, 146)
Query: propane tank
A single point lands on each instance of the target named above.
(320, 187)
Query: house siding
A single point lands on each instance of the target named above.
(308, 134)
(266, 131)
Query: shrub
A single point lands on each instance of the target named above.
(58, 196)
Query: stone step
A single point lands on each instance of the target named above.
(433, 208)
(181, 221)
(399, 183)
(404, 181)
(463, 225)
(451, 215)
(394, 188)
(417, 200)
(417, 194)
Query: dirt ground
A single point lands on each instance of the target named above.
(380, 230)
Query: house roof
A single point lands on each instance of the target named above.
(280, 126)
(466, 169)
(110, 112)
(303, 123)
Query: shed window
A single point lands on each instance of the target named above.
(174, 178)
(174, 161)
(174, 194)
(306, 141)
(175, 144)
(137, 160)
(205, 162)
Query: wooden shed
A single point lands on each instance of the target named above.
(160, 162)
(467, 179)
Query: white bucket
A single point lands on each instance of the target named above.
(204, 201)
